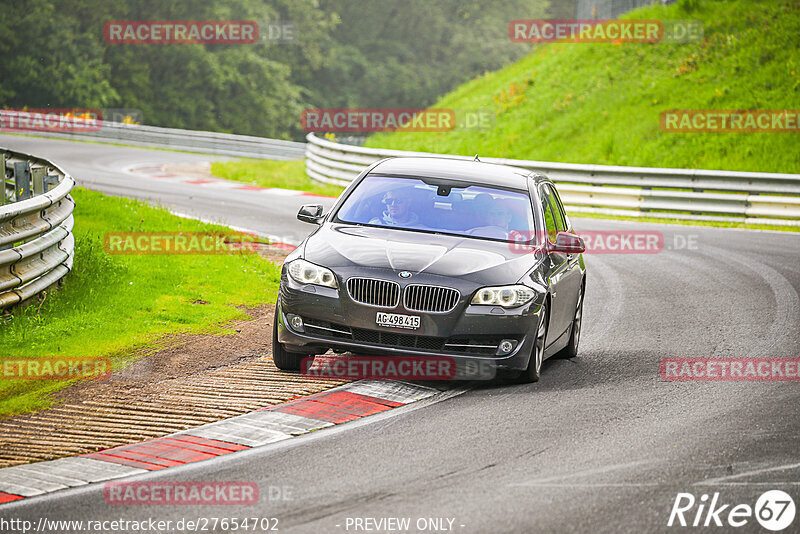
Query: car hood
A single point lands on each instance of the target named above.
(339, 245)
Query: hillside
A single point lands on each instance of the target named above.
(600, 103)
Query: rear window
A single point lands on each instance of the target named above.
(412, 204)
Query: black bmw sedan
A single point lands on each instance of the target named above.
(436, 257)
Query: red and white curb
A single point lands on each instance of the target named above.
(267, 425)
(158, 172)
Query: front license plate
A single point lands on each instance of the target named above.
(396, 320)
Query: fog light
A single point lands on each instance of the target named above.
(295, 321)
(506, 346)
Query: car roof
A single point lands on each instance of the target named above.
(476, 172)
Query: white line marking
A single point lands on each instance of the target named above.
(586, 472)
(748, 473)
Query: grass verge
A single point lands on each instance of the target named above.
(601, 103)
(684, 222)
(112, 305)
(272, 173)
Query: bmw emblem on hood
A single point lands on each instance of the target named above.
(404, 274)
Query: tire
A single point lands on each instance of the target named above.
(571, 350)
(285, 361)
(534, 370)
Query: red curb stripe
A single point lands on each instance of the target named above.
(184, 456)
(306, 194)
(213, 443)
(198, 182)
(317, 410)
(141, 457)
(347, 402)
(377, 400)
(196, 447)
(123, 461)
(252, 187)
(8, 497)
(166, 452)
(333, 407)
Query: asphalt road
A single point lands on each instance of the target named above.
(601, 444)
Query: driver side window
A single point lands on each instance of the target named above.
(561, 223)
(549, 219)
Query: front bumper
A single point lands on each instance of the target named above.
(333, 320)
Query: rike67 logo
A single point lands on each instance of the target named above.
(774, 510)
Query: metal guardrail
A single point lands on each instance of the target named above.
(726, 196)
(172, 138)
(36, 241)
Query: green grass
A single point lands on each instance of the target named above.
(600, 103)
(687, 222)
(112, 305)
(271, 173)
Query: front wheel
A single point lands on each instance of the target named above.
(571, 350)
(285, 361)
(534, 370)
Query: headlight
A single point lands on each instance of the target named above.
(505, 296)
(304, 272)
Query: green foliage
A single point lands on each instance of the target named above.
(345, 53)
(600, 103)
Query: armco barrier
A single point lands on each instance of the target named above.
(172, 138)
(727, 196)
(36, 242)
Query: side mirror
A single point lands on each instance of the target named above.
(310, 213)
(568, 243)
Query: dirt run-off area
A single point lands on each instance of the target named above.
(191, 380)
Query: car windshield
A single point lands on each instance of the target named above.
(412, 204)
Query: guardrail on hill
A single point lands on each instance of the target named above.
(171, 138)
(726, 196)
(36, 241)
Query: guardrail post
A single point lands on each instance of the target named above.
(3, 180)
(50, 180)
(38, 180)
(22, 180)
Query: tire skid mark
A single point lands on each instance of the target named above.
(787, 304)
